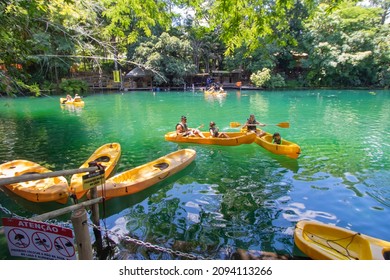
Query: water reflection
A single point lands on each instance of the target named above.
(72, 109)
(297, 211)
(215, 97)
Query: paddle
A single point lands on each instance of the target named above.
(202, 125)
(282, 124)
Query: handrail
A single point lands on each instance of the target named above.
(59, 212)
(33, 177)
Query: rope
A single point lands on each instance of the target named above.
(328, 242)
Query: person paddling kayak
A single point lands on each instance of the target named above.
(251, 125)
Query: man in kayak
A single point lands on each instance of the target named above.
(183, 130)
(251, 123)
(214, 131)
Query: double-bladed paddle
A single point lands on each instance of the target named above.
(282, 124)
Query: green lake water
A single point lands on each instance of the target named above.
(229, 198)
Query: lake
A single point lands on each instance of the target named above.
(229, 198)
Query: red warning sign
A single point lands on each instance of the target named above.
(37, 240)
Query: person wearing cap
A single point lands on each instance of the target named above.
(214, 131)
(183, 130)
(251, 123)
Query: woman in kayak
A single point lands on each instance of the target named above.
(214, 131)
(183, 130)
(251, 123)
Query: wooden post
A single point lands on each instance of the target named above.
(96, 221)
(81, 232)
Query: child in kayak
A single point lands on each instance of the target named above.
(214, 131)
(276, 138)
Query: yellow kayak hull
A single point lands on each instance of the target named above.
(321, 241)
(53, 189)
(144, 176)
(107, 155)
(235, 138)
(79, 102)
(287, 148)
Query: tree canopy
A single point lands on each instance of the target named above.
(346, 43)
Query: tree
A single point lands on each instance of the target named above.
(16, 42)
(261, 77)
(243, 22)
(169, 57)
(385, 5)
(47, 37)
(341, 46)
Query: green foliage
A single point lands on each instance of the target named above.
(261, 77)
(34, 88)
(347, 45)
(245, 23)
(73, 86)
(342, 49)
(130, 19)
(169, 57)
(266, 79)
(276, 81)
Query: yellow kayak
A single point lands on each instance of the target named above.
(321, 241)
(76, 102)
(287, 148)
(147, 175)
(235, 138)
(107, 155)
(53, 189)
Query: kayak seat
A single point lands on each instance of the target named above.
(161, 165)
(103, 159)
(25, 173)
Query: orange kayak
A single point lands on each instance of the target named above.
(107, 155)
(44, 190)
(146, 175)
